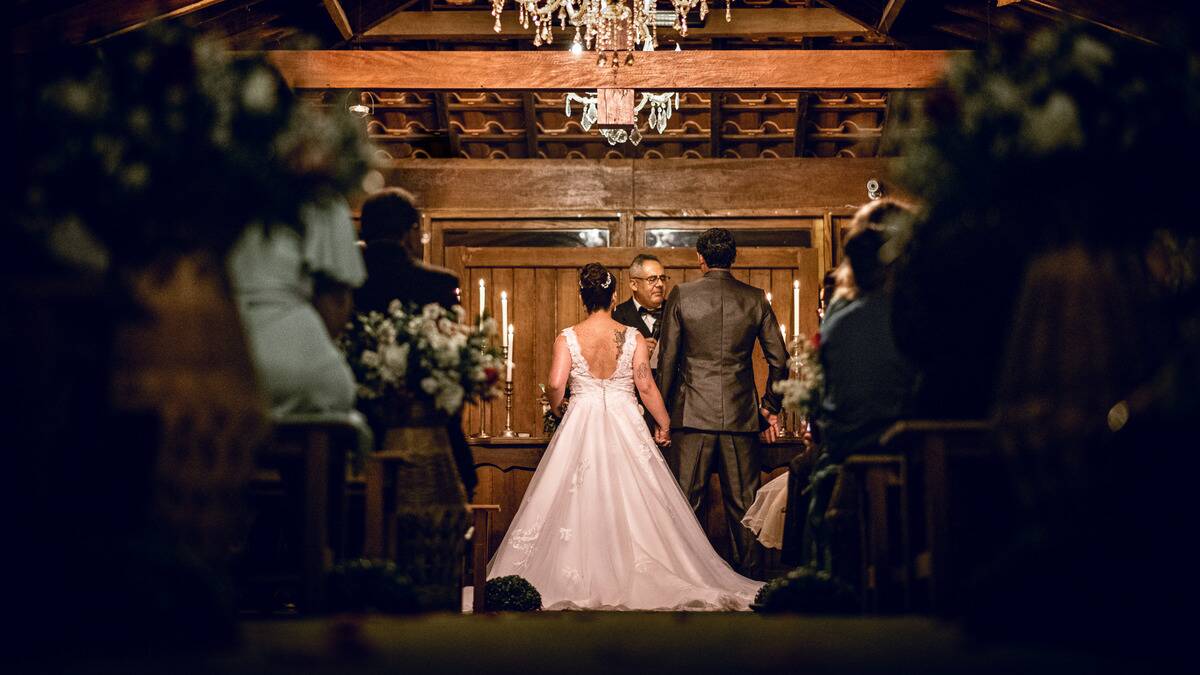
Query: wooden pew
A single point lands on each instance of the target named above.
(954, 465)
(863, 486)
(481, 553)
(314, 449)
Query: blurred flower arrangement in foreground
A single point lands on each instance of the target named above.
(424, 353)
(163, 142)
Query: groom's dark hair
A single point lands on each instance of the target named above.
(390, 213)
(717, 247)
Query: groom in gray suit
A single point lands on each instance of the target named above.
(706, 377)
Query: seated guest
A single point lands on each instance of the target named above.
(868, 384)
(867, 381)
(391, 229)
(276, 275)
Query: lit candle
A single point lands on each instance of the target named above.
(509, 352)
(482, 299)
(796, 308)
(504, 315)
(769, 299)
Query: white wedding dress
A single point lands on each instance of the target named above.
(604, 525)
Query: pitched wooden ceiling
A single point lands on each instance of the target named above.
(408, 124)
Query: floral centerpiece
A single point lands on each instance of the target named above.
(802, 391)
(423, 354)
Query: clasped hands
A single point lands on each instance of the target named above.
(771, 433)
(662, 436)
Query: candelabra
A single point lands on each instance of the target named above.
(793, 365)
(508, 396)
(482, 428)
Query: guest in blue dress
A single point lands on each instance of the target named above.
(274, 273)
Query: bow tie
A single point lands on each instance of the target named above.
(656, 313)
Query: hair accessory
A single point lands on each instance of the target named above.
(608, 279)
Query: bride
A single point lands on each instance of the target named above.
(604, 525)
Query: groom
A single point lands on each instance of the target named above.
(706, 376)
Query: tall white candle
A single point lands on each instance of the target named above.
(795, 309)
(509, 352)
(504, 315)
(482, 299)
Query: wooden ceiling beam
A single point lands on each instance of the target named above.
(795, 23)
(739, 70)
(339, 18)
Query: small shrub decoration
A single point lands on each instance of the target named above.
(511, 594)
(370, 585)
(806, 590)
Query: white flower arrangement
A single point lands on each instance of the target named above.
(428, 353)
(802, 391)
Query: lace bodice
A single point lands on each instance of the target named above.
(583, 384)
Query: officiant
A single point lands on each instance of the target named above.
(643, 310)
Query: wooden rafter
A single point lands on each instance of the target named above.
(442, 109)
(98, 20)
(794, 23)
(662, 71)
(714, 126)
(800, 133)
(890, 12)
(531, 130)
(1079, 11)
(339, 18)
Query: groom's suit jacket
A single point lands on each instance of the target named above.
(705, 371)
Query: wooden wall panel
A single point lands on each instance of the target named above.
(544, 298)
(666, 187)
(763, 185)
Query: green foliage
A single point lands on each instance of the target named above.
(163, 142)
(806, 590)
(370, 585)
(1060, 137)
(511, 594)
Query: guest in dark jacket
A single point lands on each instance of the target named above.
(868, 384)
(391, 229)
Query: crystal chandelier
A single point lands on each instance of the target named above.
(661, 107)
(605, 24)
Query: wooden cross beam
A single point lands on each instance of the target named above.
(792, 23)
(737, 70)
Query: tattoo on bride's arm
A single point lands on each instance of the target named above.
(643, 371)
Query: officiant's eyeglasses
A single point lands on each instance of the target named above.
(654, 279)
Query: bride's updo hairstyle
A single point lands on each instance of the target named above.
(596, 287)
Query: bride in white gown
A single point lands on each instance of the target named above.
(604, 524)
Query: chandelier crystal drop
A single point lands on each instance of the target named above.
(602, 25)
(661, 108)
